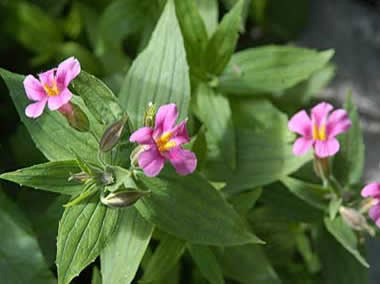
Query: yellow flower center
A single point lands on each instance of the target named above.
(52, 91)
(319, 134)
(163, 142)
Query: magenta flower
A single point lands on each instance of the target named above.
(373, 190)
(320, 131)
(164, 143)
(51, 88)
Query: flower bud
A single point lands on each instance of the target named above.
(76, 118)
(123, 198)
(355, 219)
(112, 135)
(81, 177)
(149, 115)
(135, 155)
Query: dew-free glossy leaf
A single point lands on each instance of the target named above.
(349, 161)
(160, 73)
(21, 260)
(222, 43)
(345, 236)
(98, 98)
(209, 11)
(215, 112)
(191, 209)
(121, 258)
(270, 69)
(51, 176)
(207, 263)
(164, 258)
(50, 132)
(83, 232)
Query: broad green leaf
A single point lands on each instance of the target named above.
(199, 147)
(193, 31)
(349, 161)
(98, 98)
(32, 27)
(51, 176)
(209, 11)
(207, 263)
(96, 276)
(215, 112)
(270, 69)
(264, 153)
(247, 264)
(164, 258)
(222, 43)
(121, 258)
(83, 232)
(50, 132)
(245, 201)
(160, 73)
(345, 236)
(191, 209)
(338, 265)
(229, 4)
(313, 194)
(21, 260)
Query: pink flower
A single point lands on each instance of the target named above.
(373, 190)
(164, 143)
(51, 88)
(320, 131)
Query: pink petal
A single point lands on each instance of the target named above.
(180, 135)
(338, 122)
(142, 136)
(319, 113)
(326, 148)
(165, 119)
(47, 78)
(184, 161)
(33, 88)
(36, 109)
(371, 190)
(67, 71)
(300, 123)
(55, 102)
(151, 162)
(374, 213)
(302, 145)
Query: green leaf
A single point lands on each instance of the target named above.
(160, 73)
(50, 132)
(51, 176)
(215, 112)
(209, 11)
(245, 201)
(98, 98)
(164, 258)
(313, 194)
(121, 258)
(191, 209)
(334, 206)
(207, 263)
(199, 147)
(349, 161)
(222, 43)
(338, 265)
(96, 276)
(83, 232)
(21, 259)
(270, 69)
(247, 264)
(193, 31)
(345, 236)
(264, 153)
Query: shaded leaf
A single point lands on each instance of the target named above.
(83, 232)
(121, 258)
(96, 276)
(51, 176)
(160, 73)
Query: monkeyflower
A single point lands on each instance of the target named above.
(320, 131)
(51, 88)
(373, 190)
(163, 142)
